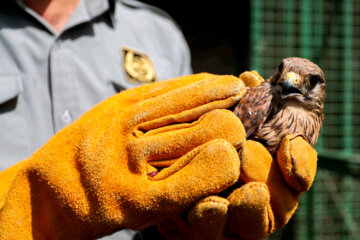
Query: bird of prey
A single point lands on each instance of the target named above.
(291, 101)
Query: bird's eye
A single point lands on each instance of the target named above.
(314, 79)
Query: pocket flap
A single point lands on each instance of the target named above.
(10, 86)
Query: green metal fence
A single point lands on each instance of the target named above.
(328, 33)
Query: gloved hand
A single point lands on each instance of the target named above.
(251, 78)
(266, 197)
(100, 174)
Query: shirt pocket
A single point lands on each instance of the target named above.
(14, 138)
(10, 87)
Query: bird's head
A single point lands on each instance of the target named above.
(301, 81)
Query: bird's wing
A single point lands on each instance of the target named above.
(254, 108)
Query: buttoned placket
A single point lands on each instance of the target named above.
(62, 84)
(61, 80)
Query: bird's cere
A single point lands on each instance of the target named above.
(293, 78)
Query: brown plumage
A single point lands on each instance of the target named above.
(290, 101)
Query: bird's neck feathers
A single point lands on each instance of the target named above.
(298, 120)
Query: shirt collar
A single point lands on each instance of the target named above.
(90, 9)
(84, 12)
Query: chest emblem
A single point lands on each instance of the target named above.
(138, 66)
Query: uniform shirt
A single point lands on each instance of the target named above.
(47, 80)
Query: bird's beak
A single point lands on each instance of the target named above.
(291, 85)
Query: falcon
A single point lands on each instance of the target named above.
(291, 101)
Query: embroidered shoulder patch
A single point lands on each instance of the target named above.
(138, 66)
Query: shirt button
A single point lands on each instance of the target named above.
(57, 45)
(66, 117)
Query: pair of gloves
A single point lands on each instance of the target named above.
(157, 154)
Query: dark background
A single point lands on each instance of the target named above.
(217, 33)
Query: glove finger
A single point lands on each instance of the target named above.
(256, 162)
(258, 165)
(198, 98)
(250, 213)
(251, 78)
(207, 169)
(167, 143)
(297, 161)
(152, 90)
(129, 98)
(209, 216)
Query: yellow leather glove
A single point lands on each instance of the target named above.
(251, 78)
(100, 174)
(266, 197)
(266, 200)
